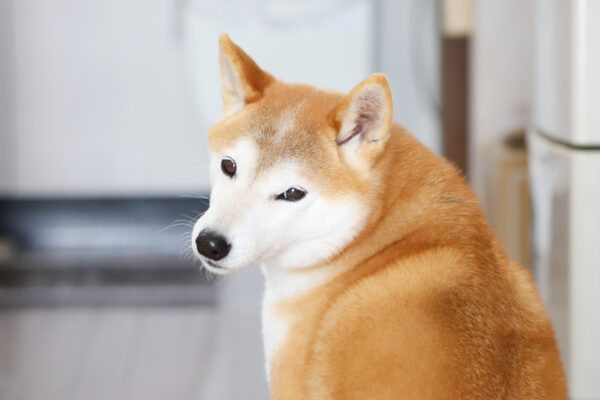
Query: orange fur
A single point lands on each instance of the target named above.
(423, 303)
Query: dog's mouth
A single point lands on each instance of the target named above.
(217, 269)
(213, 267)
(213, 264)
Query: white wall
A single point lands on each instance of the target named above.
(114, 97)
(331, 44)
(410, 58)
(6, 139)
(501, 80)
(328, 44)
(100, 102)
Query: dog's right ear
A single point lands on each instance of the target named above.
(242, 81)
(363, 119)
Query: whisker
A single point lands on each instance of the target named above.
(175, 225)
(189, 217)
(199, 213)
(193, 196)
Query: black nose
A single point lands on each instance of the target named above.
(212, 245)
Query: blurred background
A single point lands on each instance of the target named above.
(104, 108)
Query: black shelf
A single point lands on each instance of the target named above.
(100, 252)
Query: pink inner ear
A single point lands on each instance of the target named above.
(368, 105)
(361, 128)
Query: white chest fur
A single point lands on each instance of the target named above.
(274, 328)
(284, 285)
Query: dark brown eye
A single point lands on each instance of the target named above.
(228, 167)
(292, 194)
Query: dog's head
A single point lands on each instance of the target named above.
(292, 167)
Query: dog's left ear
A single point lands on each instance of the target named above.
(363, 119)
(242, 81)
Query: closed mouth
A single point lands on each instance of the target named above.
(213, 264)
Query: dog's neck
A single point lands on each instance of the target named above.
(283, 284)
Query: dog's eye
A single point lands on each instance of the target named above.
(228, 167)
(292, 194)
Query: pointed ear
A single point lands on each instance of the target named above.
(364, 118)
(242, 80)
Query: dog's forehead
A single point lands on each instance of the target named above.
(289, 123)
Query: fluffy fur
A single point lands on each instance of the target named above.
(385, 281)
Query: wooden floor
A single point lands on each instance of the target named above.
(137, 353)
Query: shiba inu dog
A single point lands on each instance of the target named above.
(383, 278)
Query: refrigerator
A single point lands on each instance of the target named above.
(564, 151)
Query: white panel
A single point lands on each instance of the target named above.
(324, 43)
(101, 105)
(567, 61)
(584, 275)
(115, 97)
(553, 68)
(565, 196)
(410, 58)
(104, 90)
(6, 104)
(549, 169)
(589, 79)
(501, 77)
